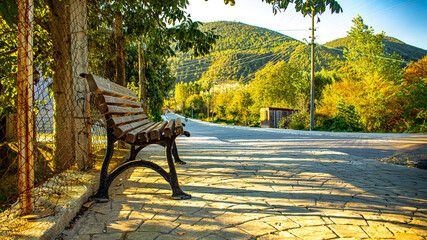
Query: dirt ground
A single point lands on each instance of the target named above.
(414, 157)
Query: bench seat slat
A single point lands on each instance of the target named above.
(179, 130)
(109, 100)
(100, 85)
(144, 135)
(132, 136)
(117, 110)
(158, 131)
(170, 127)
(120, 131)
(116, 121)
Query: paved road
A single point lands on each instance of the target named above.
(268, 185)
(366, 145)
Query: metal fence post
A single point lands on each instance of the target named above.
(25, 121)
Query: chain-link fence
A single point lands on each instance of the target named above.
(48, 129)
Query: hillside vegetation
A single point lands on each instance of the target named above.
(241, 51)
(363, 82)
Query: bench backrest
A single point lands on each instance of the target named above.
(124, 112)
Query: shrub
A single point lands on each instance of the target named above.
(346, 119)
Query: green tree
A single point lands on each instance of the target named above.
(371, 82)
(166, 29)
(366, 54)
(277, 85)
(314, 7)
(181, 95)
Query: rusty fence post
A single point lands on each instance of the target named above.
(25, 122)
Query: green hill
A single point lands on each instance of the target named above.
(243, 49)
(391, 45)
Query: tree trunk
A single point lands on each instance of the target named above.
(142, 85)
(120, 56)
(120, 59)
(78, 16)
(64, 125)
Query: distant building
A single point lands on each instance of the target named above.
(271, 117)
(168, 110)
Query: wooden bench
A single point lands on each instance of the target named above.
(126, 120)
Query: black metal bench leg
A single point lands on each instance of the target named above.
(175, 154)
(177, 192)
(102, 193)
(133, 152)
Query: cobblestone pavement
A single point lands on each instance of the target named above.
(251, 189)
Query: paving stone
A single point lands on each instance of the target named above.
(75, 237)
(349, 231)
(188, 219)
(343, 218)
(157, 226)
(123, 226)
(308, 220)
(280, 222)
(112, 216)
(316, 232)
(234, 233)
(102, 207)
(192, 231)
(112, 236)
(213, 237)
(211, 224)
(164, 216)
(126, 206)
(279, 236)
(142, 235)
(173, 237)
(94, 228)
(408, 236)
(256, 227)
(141, 215)
(234, 218)
(378, 232)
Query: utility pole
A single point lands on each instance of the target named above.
(213, 93)
(312, 73)
(192, 104)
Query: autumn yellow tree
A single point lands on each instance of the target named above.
(371, 82)
(414, 95)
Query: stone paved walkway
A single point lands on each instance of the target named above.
(248, 190)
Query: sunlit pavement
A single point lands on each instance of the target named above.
(256, 185)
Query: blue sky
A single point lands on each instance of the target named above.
(405, 20)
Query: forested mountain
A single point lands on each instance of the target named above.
(243, 49)
(391, 45)
(240, 51)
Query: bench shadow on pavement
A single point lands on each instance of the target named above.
(276, 190)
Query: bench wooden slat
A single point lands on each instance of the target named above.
(157, 132)
(118, 110)
(144, 135)
(100, 85)
(132, 136)
(120, 131)
(116, 121)
(170, 127)
(178, 127)
(110, 100)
